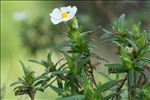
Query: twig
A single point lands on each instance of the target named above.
(119, 88)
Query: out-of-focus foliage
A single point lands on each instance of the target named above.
(37, 35)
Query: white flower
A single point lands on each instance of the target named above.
(63, 14)
(19, 16)
(129, 49)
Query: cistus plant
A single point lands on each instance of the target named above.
(72, 77)
(132, 46)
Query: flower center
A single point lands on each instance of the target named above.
(64, 14)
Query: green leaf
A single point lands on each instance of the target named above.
(66, 43)
(20, 90)
(38, 83)
(116, 65)
(17, 82)
(69, 61)
(142, 39)
(107, 34)
(144, 51)
(111, 95)
(84, 79)
(119, 25)
(108, 85)
(60, 72)
(38, 62)
(117, 43)
(24, 68)
(132, 43)
(41, 77)
(73, 97)
(49, 58)
(126, 59)
(136, 30)
(56, 89)
(130, 78)
(30, 78)
(105, 75)
(116, 68)
(85, 33)
(121, 20)
(82, 63)
(58, 62)
(146, 60)
(74, 23)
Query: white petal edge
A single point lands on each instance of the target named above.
(56, 14)
(55, 21)
(74, 9)
(72, 12)
(65, 9)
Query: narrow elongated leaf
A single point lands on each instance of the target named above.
(108, 85)
(41, 77)
(107, 34)
(69, 61)
(24, 68)
(144, 51)
(84, 79)
(38, 83)
(49, 59)
(142, 40)
(38, 62)
(117, 43)
(111, 95)
(56, 89)
(82, 63)
(132, 43)
(146, 60)
(17, 82)
(113, 65)
(85, 33)
(105, 75)
(74, 97)
(121, 20)
(116, 68)
(136, 30)
(60, 72)
(58, 62)
(66, 43)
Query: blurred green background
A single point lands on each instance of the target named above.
(27, 33)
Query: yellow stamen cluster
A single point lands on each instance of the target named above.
(64, 14)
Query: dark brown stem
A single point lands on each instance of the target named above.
(147, 66)
(91, 72)
(120, 87)
(32, 95)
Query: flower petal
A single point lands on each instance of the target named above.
(56, 14)
(74, 9)
(72, 12)
(55, 21)
(65, 9)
